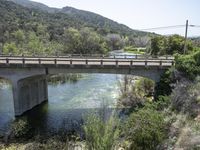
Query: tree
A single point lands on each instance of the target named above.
(72, 40)
(19, 36)
(115, 42)
(175, 44)
(35, 45)
(161, 45)
(157, 45)
(10, 48)
(92, 42)
(83, 41)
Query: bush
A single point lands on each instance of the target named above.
(189, 64)
(135, 91)
(100, 135)
(20, 128)
(185, 97)
(145, 129)
(163, 102)
(163, 87)
(145, 87)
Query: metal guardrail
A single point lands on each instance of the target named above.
(85, 61)
(94, 56)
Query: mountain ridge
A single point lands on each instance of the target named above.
(93, 19)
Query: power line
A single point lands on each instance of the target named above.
(164, 27)
(195, 26)
(169, 27)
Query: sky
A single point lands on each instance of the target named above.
(142, 14)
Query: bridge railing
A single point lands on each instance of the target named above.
(95, 56)
(80, 61)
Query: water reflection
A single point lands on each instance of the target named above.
(6, 105)
(68, 102)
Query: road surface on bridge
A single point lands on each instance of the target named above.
(17, 60)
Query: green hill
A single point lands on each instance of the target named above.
(50, 28)
(90, 19)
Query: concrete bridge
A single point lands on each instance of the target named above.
(28, 75)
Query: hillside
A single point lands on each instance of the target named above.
(34, 5)
(29, 27)
(100, 23)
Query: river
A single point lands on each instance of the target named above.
(67, 104)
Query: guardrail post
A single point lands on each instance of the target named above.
(39, 60)
(101, 62)
(125, 56)
(146, 63)
(114, 56)
(23, 61)
(160, 63)
(116, 62)
(71, 62)
(131, 63)
(7, 61)
(55, 61)
(136, 56)
(86, 61)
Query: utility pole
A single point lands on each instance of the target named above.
(186, 30)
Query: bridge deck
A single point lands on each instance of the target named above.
(83, 61)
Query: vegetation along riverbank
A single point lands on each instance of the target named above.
(146, 115)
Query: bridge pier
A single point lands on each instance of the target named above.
(28, 93)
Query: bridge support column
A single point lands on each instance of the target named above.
(28, 93)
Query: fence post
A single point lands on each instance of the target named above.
(101, 62)
(146, 63)
(7, 61)
(131, 63)
(23, 61)
(116, 63)
(173, 63)
(160, 63)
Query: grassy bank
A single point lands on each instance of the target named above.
(134, 50)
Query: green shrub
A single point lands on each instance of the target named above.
(20, 127)
(189, 64)
(145, 87)
(163, 102)
(145, 129)
(163, 86)
(100, 135)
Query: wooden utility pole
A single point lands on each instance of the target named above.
(186, 30)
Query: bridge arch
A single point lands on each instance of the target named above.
(152, 73)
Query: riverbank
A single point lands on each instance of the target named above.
(52, 143)
(134, 50)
